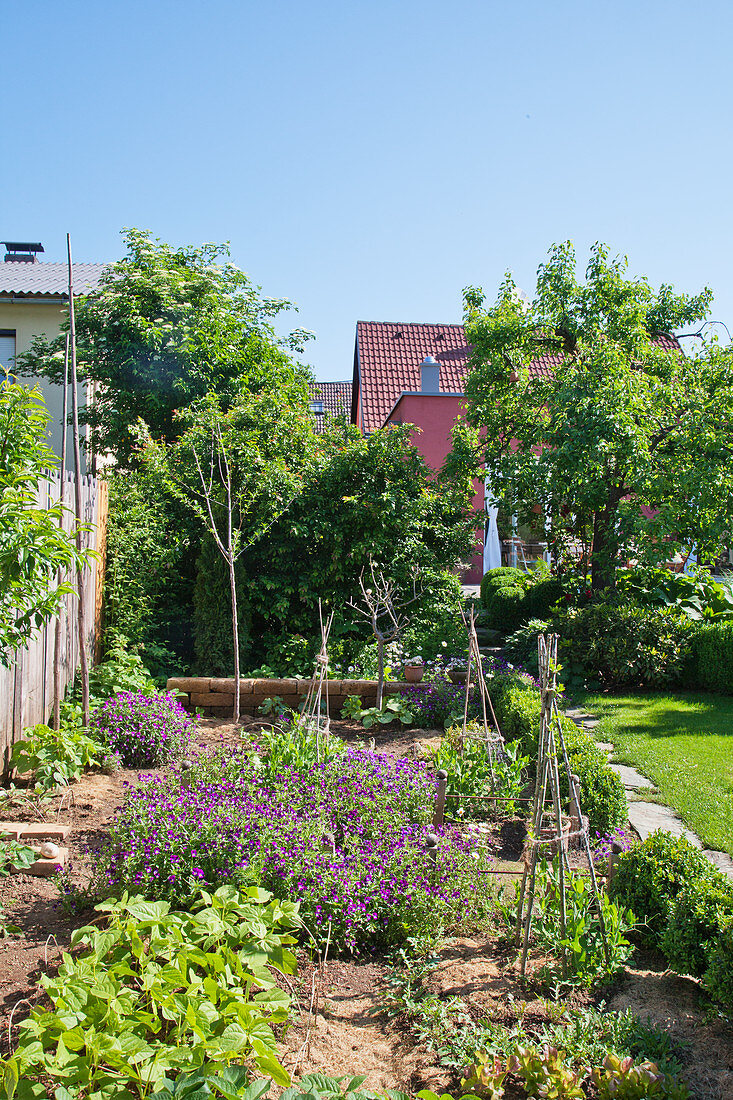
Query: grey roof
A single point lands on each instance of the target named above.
(41, 280)
(336, 398)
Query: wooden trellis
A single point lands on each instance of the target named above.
(315, 712)
(547, 831)
(490, 732)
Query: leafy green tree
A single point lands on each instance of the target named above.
(624, 443)
(152, 546)
(363, 499)
(33, 547)
(165, 327)
(238, 469)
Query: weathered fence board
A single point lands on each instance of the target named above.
(26, 688)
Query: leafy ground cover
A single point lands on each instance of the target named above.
(683, 741)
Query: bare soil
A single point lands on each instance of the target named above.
(342, 1032)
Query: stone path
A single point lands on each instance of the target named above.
(646, 817)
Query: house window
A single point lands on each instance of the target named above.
(7, 352)
(317, 407)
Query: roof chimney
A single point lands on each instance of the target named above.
(21, 252)
(430, 375)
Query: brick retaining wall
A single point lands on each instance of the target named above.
(216, 696)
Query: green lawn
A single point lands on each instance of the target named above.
(684, 742)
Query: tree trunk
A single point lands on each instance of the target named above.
(604, 554)
(235, 633)
(380, 670)
(84, 665)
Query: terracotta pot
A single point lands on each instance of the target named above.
(458, 675)
(414, 673)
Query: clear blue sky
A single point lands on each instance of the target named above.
(369, 160)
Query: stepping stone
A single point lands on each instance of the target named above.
(44, 868)
(576, 713)
(647, 817)
(605, 746)
(721, 860)
(631, 778)
(589, 723)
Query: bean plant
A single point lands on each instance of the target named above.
(158, 993)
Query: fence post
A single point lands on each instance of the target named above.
(440, 794)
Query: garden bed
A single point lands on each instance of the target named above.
(346, 1036)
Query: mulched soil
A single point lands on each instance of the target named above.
(346, 1035)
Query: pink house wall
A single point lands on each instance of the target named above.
(435, 414)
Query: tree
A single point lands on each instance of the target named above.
(165, 327)
(385, 609)
(364, 499)
(624, 443)
(33, 547)
(238, 469)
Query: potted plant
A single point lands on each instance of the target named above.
(414, 670)
(457, 671)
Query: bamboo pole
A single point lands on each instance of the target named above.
(62, 501)
(80, 579)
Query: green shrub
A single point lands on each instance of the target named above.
(436, 620)
(718, 978)
(151, 553)
(697, 917)
(651, 875)
(212, 616)
(521, 647)
(504, 609)
(602, 793)
(541, 597)
(517, 706)
(504, 577)
(622, 643)
(711, 660)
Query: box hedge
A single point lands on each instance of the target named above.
(697, 917)
(718, 978)
(503, 577)
(511, 597)
(710, 662)
(686, 905)
(651, 875)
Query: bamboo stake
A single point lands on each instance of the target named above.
(80, 580)
(62, 500)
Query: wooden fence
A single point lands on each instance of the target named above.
(26, 688)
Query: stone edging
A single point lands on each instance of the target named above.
(215, 696)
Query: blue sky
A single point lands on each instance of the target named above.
(369, 160)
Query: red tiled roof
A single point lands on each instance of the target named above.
(388, 357)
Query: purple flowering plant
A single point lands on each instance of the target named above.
(346, 838)
(144, 731)
(603, 844)
(437, 702)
